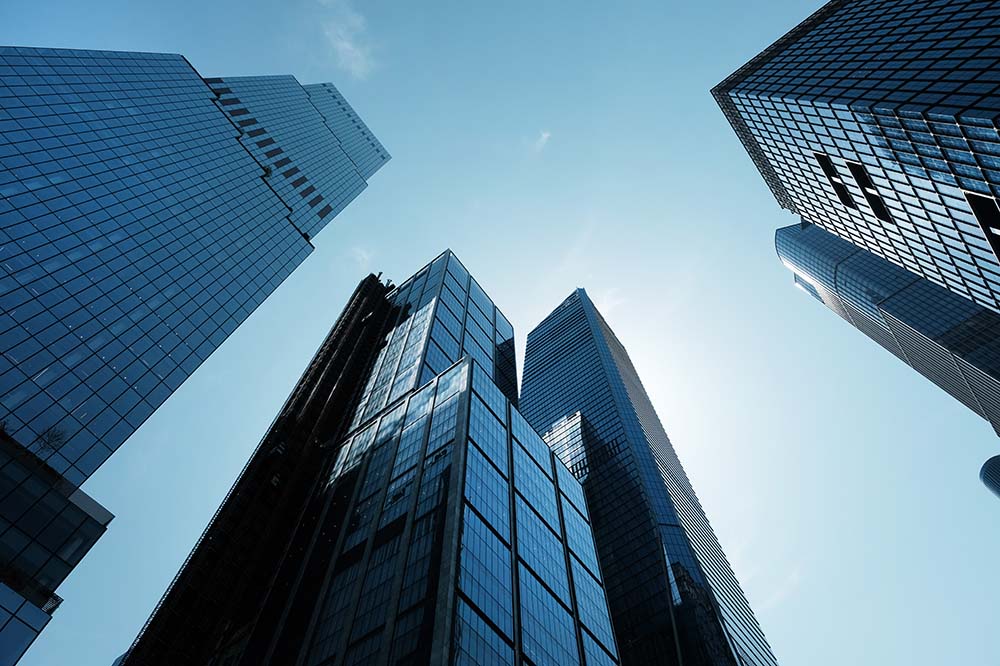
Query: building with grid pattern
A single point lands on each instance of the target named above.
(947, 338)
(876, 120)
(145, 212)
(673, 596)
(399, 511)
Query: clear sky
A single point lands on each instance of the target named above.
(555, 146)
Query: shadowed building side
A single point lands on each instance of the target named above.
(247, 561)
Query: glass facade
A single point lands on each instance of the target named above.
(144, 213)
(444, 315)
(20, 623)
(443, 483)
(447, 531)
(950, 340)
(877, 121)
(46, 527)
(990, 475)
(672, 593)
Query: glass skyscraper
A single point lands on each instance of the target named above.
(877, 121)
(673, 596)
(399, 511)
(947, 338)
(990, 475)
(145, 212)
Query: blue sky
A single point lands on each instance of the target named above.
(555, 146)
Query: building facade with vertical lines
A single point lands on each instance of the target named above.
(673, 596)
(145, 212)
(399, 511)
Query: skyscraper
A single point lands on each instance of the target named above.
(399, 510)
(876, 120)
(990, 475)
(947, 338)
(673, 596)
(145, 212)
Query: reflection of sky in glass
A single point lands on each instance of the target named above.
(670, 226)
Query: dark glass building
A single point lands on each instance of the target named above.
(145, 212)
(399, 510)
(947, 338)
(990, 475)
(673, 596)
(877, 121)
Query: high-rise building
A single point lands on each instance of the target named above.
(145, 212)
(876, 120)
(399, 510)
(947, 338)
(673, 596)
(990, 475)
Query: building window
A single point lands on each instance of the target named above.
(872, 196)
(838, 185)
(988, 215)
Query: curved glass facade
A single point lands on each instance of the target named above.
(948, 339)
(990, 475)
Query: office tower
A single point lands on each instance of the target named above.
(673, 597)
(877, 121)
(145, 212)
(398, 511)
(990, 475)
(947, 338)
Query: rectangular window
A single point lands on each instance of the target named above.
(838, 185)
(988, 215)
(485, 576)
(868, 189)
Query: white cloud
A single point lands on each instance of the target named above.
(542, 140)
(345, 30)
(362, 257)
